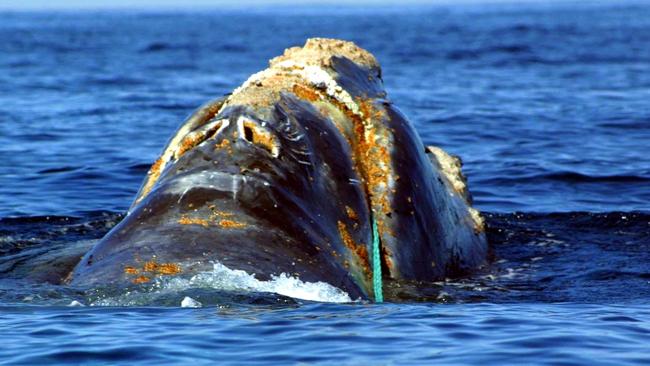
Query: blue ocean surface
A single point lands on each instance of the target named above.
(547, 104)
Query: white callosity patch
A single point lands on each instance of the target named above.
(321, 79)
(449, 167)
(256, 78)
(315, 75)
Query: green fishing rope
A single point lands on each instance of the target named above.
(376, 264)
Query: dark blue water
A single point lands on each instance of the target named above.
(548, 105)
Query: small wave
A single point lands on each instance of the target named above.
(222, 278)
(164, 46)
(114, 80)
(157, 46)
(626, 124)
(509, 49)
(573, 177)
(234, 48)
(172, 106)
(141, 168)
(61, 169)
(37, 219)
(610, 274)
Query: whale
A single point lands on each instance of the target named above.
(307, 169)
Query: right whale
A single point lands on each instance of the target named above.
(306, 169)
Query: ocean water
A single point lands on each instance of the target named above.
(547, 104)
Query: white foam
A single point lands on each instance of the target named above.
(189, 302)
(224, 278)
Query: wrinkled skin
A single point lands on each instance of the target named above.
(293, 186)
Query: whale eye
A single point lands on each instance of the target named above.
(260, 136)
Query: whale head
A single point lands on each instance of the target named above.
(306, 169)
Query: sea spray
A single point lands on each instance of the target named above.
(222, 278)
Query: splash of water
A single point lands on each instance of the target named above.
(222, 278)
